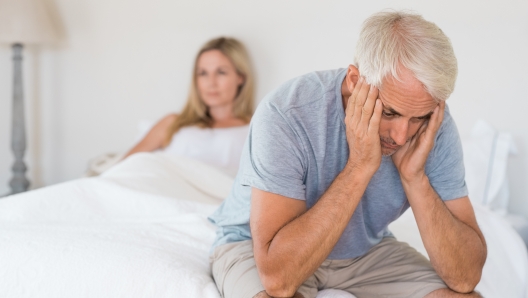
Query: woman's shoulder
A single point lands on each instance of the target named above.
(170, 118)
(161, 127)
(166, 121)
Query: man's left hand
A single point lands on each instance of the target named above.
(410, 158)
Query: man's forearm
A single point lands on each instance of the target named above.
(300, 247)
(456, 250)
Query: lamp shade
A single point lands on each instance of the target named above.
(25, 22)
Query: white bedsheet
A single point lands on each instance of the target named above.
(140, 230)
(505, 272)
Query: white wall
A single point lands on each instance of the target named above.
(126, 60)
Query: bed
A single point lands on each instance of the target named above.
(141, 230)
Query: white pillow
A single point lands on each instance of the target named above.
(486, 155)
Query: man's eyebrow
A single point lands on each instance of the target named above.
(392, 111)
(425, 116)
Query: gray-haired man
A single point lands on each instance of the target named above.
(333, 157)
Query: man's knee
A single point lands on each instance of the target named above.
(263, 294)
(445, 292)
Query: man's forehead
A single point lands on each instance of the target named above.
(403, 94)
(408, 104)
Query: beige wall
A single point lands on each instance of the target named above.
(127, 60)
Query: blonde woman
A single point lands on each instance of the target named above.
(215, 120)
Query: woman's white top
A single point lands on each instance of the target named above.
(219, 147)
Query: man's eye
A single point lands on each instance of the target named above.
(420, 119)
(387, 114)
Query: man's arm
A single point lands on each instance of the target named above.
(449, 230)
(289, 242)
(451, 236)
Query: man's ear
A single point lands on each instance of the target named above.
(352, 77)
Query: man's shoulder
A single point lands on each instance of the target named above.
(304, 90)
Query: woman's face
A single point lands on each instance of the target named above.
(217, 79)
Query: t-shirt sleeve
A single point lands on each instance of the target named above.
(275, 162)
(445, 166)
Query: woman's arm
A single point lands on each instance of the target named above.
(155, 137)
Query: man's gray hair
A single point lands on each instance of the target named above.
(390, 40)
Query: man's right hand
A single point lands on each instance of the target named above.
(362, 120)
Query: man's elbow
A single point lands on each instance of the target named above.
(465, 285)
(464, 280)
(277, 286)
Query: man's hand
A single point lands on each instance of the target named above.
(410, 158)
(362, 119)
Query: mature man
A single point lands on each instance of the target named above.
(333, 157)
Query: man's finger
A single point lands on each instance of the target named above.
(351, 104)
(374, 123)
(368, 107)
(357, 87)
(436, 120)
(422, 129)
(362, 93)
(349, 112)
(360, 101)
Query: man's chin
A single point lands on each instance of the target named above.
(388, 151)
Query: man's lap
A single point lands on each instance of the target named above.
(390, 268)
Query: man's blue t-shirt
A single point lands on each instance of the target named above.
(297, 146)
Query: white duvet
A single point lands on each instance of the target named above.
(141, 230)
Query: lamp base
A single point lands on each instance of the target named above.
(19, 182)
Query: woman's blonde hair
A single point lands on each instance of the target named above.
(393, 39)
(195, 111)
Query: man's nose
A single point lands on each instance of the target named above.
(399, 131)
